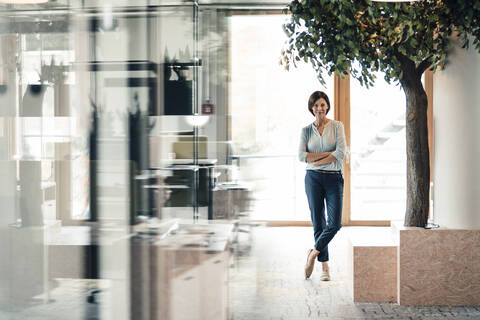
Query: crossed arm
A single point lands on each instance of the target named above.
(320, 158)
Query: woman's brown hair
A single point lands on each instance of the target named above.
(314, 97)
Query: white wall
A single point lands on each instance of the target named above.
(457, 141)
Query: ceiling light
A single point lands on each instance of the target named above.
(197, 120)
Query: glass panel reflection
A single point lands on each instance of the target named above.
(121, 197)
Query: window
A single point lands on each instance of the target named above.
(268, 110)
(378, 156)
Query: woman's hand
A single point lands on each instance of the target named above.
(326, 160)
(314, 157)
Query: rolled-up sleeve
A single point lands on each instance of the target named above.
(339, 152)
(302, 148)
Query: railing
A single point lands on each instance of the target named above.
(277, 185)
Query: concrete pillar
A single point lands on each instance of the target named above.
(457, 141)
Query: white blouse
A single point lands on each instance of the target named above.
(332, 139)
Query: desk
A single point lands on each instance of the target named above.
(169, 276)
(72, 254)
(68, 252)
(179, 275)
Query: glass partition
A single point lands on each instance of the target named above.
(102, 149)
(137, 139)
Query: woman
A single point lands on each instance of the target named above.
(322, 147)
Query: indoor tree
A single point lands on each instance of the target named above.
(400, 39)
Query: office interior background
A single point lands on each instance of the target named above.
(146, 145)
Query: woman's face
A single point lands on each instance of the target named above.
(320, 108)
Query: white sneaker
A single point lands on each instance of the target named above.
(325, 276)
(308, 266)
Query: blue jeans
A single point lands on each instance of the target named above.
(324, 188)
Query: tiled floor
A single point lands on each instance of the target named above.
(67, 301)
(269, 283)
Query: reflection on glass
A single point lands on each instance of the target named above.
(111, 172)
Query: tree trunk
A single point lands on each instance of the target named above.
(418, 166)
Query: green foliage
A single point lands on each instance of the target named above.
(466, 17)
(53, 73)
(400, 39)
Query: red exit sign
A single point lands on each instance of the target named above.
(208, 108)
